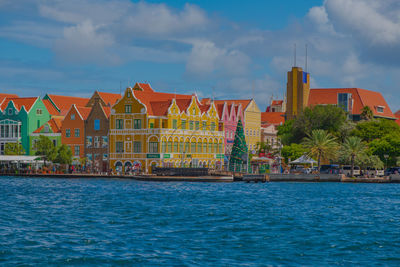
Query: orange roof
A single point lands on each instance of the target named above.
(54, 123)
(109, 98)
(84, 111)
(4, 96)
(361, 98)
(220, 109)
(397, 115)
(27, 102)
(146, 87)
(273, 117)
(277, 102)
(244, 102)
(50, 107)
(64, 103)
(107, 111)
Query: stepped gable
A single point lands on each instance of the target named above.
(361, 98)
(50, 107)
(244, 102)
(109, 98)
(19, 102)
(64, 103)
(275, 118)
(54, 123)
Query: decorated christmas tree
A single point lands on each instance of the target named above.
(239, 149)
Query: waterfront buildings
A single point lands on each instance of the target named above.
(149, 128)
(50, 129)
(19, 117)
(297, 91)
(269, 132)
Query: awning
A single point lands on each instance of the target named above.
(19, 158)
(303, 160)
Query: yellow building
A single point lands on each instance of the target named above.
(149, 128)
(297, 91)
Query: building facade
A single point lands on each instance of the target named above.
(297, 92)
(51, 129)
(19, 117)
(159, 129)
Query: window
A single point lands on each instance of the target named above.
(180, 147)
(119, 124)
(193, 147)
(197, 125)
(204, 126)
(104, 140)
(210, 148)
(72, 116)
(137, 124)
(379, 109)
(212, 126)
(151, 125)
(46, 128)
(88, 141)
(10, 111)
(96, 124)
(67, 133)
(105, 157)
(38, 111)
(204, 147)
(194, 111)
(128, 94)
(199, 147)
(97, 141)
(176, 147)
(119, 147)
(77, 132)
(89, 157)
(174, 124)
(128, 108)
(153, 147)
(164, 147)
(191, 125)
(344, 101)
(77, 150)
(137, 147)
(183, 124)
(54, 142)
(38, 124)
(169, 146)
(220, 148)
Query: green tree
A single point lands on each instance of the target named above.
(44, 147)
(239, 149)
(387, 145)
(293, 151)
(377, 128)
(352, 148)
(64, 155)
(366, 113)
(345, 130)
(263, 147)
(365, 160)
(321, 145)
(327, 117)
(14, 149)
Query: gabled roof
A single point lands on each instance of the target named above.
(64, 103)
(107, 111)
(244, 102)
(361, 98)
(145, 87)
(54, 123)
(84, 112)
(397, 115)
(272, 118)
(109, 98)
(4, 96)
(277, 102)
(27, 102)
(50, 107)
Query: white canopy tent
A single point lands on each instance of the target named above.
(304, 159)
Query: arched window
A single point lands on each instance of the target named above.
(193, 147)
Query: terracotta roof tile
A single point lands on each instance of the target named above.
(84, 111)
(244, 102)
(277, 102)
(54, 123)
(4, 96)
(27, 102)
(64, 103)
(146, 87)
(361, 98)
(50, 107)
(272, 118)
(109, 98)
(107, 111)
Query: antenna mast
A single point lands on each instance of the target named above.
(306, 57)
(294, 55)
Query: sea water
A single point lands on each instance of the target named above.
(125, 222)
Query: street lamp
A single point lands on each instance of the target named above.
(386, 156)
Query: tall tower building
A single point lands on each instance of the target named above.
(297, 92)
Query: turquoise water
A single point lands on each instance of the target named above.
(125, 222)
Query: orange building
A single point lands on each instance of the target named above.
(73, 130)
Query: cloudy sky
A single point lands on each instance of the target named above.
(220, 49)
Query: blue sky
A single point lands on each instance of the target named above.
(220, 49)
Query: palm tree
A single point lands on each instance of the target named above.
(367, 113)
(321, 145)
(352, 148)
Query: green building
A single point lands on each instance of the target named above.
(19, 117)
(51, 129)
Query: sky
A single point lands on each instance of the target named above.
(220, 49)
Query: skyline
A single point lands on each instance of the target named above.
(77, 47)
